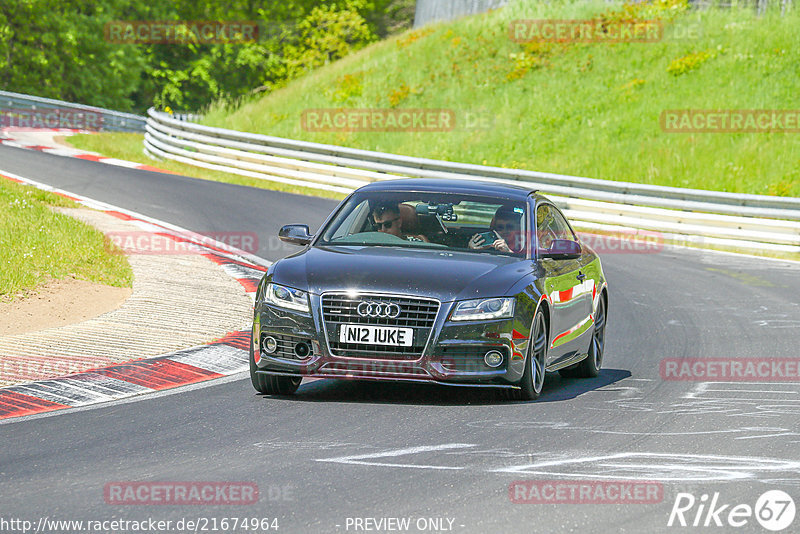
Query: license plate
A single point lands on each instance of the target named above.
(376, 335)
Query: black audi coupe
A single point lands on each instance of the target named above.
(461, 283)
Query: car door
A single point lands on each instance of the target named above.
(567, 287)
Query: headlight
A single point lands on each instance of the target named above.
(482, 309)
(286, 297)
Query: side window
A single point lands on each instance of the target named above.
(551, 225)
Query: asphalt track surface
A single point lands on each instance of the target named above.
(340, 449)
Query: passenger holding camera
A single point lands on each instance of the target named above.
(506, 228)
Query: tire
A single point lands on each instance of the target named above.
(590, 366)
(272, 385)
(532, 381)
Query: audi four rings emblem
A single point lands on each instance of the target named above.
(378, 309)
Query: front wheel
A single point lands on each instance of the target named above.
(532, 381)
(272, 385)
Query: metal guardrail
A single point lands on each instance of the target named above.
(37, 112)
(428, 11)
(737, 220)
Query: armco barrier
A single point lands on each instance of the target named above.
(37, 112)
(755, 222)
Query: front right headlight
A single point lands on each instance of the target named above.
(483, 309)
(287, 297)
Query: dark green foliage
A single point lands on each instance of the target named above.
(57, 48)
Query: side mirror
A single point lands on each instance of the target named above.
(295, 234)
(562, 249)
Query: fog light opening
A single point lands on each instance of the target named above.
(302, 350)
(269, 345)
(493, 358)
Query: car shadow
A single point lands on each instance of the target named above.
(556, 388)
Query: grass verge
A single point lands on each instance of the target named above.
(38, 244)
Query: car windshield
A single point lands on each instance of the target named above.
(478, 224)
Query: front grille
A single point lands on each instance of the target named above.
(417, 313)
(286, 346)
(469, 358)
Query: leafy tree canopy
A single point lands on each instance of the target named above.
(59, 48)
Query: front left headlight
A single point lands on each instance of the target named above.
(287, 297)
(483, 309)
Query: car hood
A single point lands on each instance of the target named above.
(445, 275)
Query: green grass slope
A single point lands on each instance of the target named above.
(586, 109)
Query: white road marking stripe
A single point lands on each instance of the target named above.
(360, 458)
(657, 467)
(120, 163)
(238, 271)
(222, 359)
(752, 391)
(105, 385)
(62, 152)
(769, 435)
(70, 393)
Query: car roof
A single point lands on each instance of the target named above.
(471, 187)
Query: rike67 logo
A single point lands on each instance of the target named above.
(774, 510)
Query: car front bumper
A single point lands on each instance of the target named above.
(453, 355)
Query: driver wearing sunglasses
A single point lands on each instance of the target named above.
(506, 226)
(386, 219)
